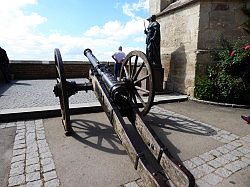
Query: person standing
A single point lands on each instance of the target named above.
(4, 65)
(118, 56)
(153, 40)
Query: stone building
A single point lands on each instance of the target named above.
(189, 30)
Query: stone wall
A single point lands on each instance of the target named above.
(220, 19)
(25, 70)
(189, 30)
(179, 38)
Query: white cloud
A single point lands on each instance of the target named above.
(116, 30)
(20, 38)
(131, 9)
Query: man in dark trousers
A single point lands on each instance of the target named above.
(4, 65)
(153, 41)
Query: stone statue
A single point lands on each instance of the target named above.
(153, 41)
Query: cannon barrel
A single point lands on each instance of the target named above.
(115, 88)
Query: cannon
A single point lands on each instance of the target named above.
(125, 101)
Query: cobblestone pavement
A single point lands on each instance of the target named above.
(211, 167)
(37, 93)
(32, 162)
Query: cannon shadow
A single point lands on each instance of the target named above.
(97, 135)
(169, 122)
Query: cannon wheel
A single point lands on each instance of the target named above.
(137, 70)
(63, 95)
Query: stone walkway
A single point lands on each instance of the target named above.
(215, 165)
(37, 93)
(32, 162)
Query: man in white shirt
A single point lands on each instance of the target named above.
(119, 56)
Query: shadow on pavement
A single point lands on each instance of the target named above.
(97, 135)
(165, 124)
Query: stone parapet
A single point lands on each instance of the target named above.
(25, 70)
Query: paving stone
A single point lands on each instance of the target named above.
(222, 160)
(201, 183)
(42, 143)
(11, 124)
(197, 173)
(32, 161)
(33, 168)
(48, 167)
(16, 170)
(189, 165)
(229, 147)
(215, 153)
(246, 160)
(46, 161)
(18, 158)
(34, 176)
(197, 161)
(19, 146)
(18, 152)
(33, 154)
(19, 136)
(212, 179)
(20, 141)
(243, 150)
(30, 136)
(214, 164)
(224, 140)
(230, 157)
(236, 143)
(233, 166)
(223, 172)
(20, 130)
(237, 153)
(44, 149)
(246, 138)
(223, 150)
(52, 183)
(16, 180)
(49, 175)
(247, 155)
(20, 125)
(206, 169)
(37, 183)
(222, 132)
(18, 164)
(206, 157)
(40, 136)
(46, 155)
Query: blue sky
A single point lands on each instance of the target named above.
(31, 29)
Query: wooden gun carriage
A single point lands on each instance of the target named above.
(125, 101)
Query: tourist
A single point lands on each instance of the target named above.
(119, 56)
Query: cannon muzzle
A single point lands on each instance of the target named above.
(116, 89)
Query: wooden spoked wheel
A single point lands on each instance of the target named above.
(138, 72)
(63, 93)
